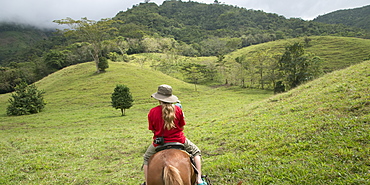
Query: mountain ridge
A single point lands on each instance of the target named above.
(356, 17)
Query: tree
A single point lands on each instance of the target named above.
(297, 66)
(55, 59)
(194, 72)
(241, 60)
(122, 98)
(90, 31)
(26, 100)
(265, 65)
(221, 63)
(121, 44)
(103, 64)
(9, 78)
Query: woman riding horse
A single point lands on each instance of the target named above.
(166, 121)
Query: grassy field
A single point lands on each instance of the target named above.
(317, 133)
(81, 139)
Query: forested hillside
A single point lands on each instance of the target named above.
(175, 29)
(358, 17)
(193, 22)
(19, 40)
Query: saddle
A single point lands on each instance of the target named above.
(178, 146)
(166, 146)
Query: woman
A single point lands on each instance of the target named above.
(167, 121)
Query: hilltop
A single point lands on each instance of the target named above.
(316, 133)
(357, 17)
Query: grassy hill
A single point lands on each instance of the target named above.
(337, 52)
(317, 133)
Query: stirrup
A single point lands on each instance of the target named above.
(203, 183)
(206, 180)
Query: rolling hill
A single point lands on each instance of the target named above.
(317, 133)
(337, 52)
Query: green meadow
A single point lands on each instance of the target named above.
(317, 133)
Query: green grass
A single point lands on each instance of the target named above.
(317, 133)
(337, 52)
(80, 139)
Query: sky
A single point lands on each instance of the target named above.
(42, 12)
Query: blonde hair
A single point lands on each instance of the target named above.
(168, 115)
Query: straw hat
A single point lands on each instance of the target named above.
(164, 94)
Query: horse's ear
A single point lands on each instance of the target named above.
(240, 182)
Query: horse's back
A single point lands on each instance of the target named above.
(170, 159)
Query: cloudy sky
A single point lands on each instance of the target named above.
(43, 12)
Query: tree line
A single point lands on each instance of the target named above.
(261, 69)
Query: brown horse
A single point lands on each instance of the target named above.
(170, 167)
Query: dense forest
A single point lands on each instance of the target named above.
(17, 40)
(358, 17)
(179, 28)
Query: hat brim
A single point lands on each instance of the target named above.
(168, 99)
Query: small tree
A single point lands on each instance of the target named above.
(194, 72)
(103, 64)
(122, 98)
(26, 100)
(243, 66)
(297, 66)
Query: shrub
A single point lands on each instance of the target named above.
(27, 99)
(103, 64)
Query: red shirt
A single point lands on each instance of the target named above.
(156, 124)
